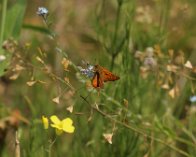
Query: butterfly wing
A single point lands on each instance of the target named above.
(108, 76)
(97, 81)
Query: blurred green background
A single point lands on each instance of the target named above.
(147, 43)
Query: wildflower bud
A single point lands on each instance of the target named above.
(45, 122)
(150, 63)
(149, 52)
(42, 11)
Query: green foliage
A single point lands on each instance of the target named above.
(14, 19)
(11, 24)
(147, 111)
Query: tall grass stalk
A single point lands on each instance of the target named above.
(3, 18)
(113, 46)
(164, 17)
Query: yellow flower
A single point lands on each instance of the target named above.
(64, 125)
(45, 122)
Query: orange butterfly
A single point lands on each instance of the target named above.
(102, 75)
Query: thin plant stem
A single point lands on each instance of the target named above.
(141, 132)
(137, 130)
(164, 20)
(17, 145)
(114, 53)
(115, 102)
(117, 23)
(50, 147)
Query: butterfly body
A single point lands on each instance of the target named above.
(102, 75)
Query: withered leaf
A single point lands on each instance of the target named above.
(70, 108)
(31, 83)
(108, 137)
(188, 65)
(56, 100)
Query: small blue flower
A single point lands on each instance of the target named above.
(89, 72)
(193, 99)
(42, 11)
